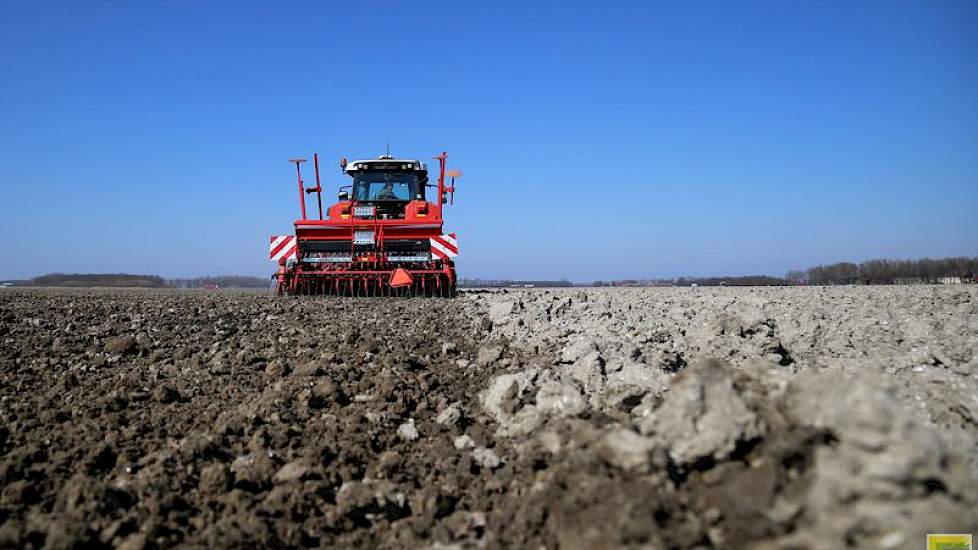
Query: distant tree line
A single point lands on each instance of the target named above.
(888, 272)
(872, 272)
(739, 280)
(225, 281)
(501, 283)
(98, 279)
(144, 281)
(744, 280)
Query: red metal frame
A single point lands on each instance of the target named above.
(302, 195)
(369, 273)
(319, 188)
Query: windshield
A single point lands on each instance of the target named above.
(385, 186)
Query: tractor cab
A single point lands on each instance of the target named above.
(387, 184)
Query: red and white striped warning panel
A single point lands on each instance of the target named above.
(282, 246)
(444, 247)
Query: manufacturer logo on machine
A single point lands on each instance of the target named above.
(949, 542)
(363, 237)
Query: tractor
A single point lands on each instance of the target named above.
(383, 237)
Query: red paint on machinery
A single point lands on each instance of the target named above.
(383, 237)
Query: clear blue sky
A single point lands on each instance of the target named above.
(598, 139)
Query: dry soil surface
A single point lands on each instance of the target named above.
(659, 418)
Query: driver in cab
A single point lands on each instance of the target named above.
(387, 193)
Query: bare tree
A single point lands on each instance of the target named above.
(795, 277)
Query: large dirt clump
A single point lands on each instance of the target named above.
(838, 417)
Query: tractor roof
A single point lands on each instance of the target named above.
(385, 162)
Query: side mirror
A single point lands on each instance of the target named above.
(444, 199)
(343, 196)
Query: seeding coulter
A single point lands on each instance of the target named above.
(384, 236)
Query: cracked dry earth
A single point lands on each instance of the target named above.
(601, 418)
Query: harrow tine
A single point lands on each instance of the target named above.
(427, 283)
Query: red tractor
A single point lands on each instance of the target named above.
(383, 237)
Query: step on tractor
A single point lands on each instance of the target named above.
(383, 237)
